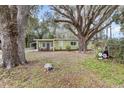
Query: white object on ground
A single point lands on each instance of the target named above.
(100, 54)
(48, 66)
(100, 58)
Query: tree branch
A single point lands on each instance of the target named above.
(65, 21)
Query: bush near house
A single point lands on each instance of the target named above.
(116, 49)
(99, 47)
(68, 48)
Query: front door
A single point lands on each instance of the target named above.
(48, 46)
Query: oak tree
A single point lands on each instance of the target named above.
(13, 20)
(84, 21)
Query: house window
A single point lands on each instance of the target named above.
(43, 44)
(73, 43)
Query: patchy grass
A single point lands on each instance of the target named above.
(71, 70)
(112, 73)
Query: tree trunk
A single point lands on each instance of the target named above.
(22, 18)
(107, 33)
(110, 32)
(13, 21)
(82, 45)
(9, 49)
(21, 47)
(9, 37)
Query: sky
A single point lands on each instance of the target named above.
(116, 31)
(115, 27)
(43, 10)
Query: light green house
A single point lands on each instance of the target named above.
(56, 44)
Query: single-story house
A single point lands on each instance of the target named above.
(56, 44)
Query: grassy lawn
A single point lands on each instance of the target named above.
(71, 70)
(112, 73)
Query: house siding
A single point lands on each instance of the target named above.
(43, 45)
(62, 45)
(56, 44)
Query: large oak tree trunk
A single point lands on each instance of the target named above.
(9, 49)
(13, 21)
(22, 18)
(21, 47)
(82, 45)
(9, 36)
(21, 44)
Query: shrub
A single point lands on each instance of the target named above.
(99, 44)
(68, 47)
(60, 48)
(116, 49)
